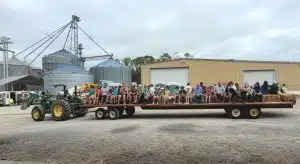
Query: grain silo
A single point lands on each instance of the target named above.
(113, 70)
(59, 59)
(67, 75)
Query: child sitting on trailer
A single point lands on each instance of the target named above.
(144, 94)
(167, 95)
(176, 94)
(123, 93)
(199, 94)
(115, 95)
(182, 95)
(91, 95)
(105, 94)
(208, 94)
(189, 93)
(134, 92)
(98, 95)
(129, 94)
(156, 98)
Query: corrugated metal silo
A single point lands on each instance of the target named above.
(112, 70)
(68, 75)
(59, 59)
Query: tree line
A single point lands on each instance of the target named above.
(135, 63)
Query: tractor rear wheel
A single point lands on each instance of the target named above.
(61, 110)
(38, 113)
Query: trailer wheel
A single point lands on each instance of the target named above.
(235, 113)
(254, 113)
(130, 111)
(38, 113)
(113, 113)
(100, 114)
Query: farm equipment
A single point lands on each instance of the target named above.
(61, 107)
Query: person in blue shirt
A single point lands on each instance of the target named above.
(199, 94)
(115, 95)
(265, 88)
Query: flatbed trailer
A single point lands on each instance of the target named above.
(233, 110)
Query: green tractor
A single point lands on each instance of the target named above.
(61, 107)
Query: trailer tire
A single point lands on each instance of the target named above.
(113, 114)
(130, 111)
(235, 113)
(100, 114)
(254, 113)
(38, 113)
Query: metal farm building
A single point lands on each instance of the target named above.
(112, 70)
(20, 76)
(211, 71)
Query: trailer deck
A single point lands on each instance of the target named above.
(233, 110)
(198, 105)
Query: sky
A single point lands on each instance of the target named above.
(231, 29)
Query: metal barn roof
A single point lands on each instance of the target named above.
(15, 61)
(27, 78)
(69, 69)
(62, 52)
(111, 63)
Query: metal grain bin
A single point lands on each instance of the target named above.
(59, 59)
(112, 70)
(69, 76)
(15, 68)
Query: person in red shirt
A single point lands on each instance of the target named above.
(208, 94)
(98, 95)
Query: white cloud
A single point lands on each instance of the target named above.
(256, 29)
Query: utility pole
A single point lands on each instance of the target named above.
(4, 42)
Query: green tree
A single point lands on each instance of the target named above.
(188, 55)
(164, 57)
(127, 61)
(138, 61)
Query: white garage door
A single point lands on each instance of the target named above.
(252, 77)
(168, 75)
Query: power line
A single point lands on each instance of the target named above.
(67, 38)
(58, 32)
(93, 40)
(41, 39)
(48, 45)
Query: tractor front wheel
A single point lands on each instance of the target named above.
(38, 113)
(61, 110)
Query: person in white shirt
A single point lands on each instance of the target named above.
(189, 93)
(219, 91)
(151, 93)
(283, 89)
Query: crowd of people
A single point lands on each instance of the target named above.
(155, 94)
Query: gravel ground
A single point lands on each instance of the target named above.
(203, 136)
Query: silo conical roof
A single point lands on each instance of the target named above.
(111, 63)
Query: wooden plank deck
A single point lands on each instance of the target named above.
(200, 105)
